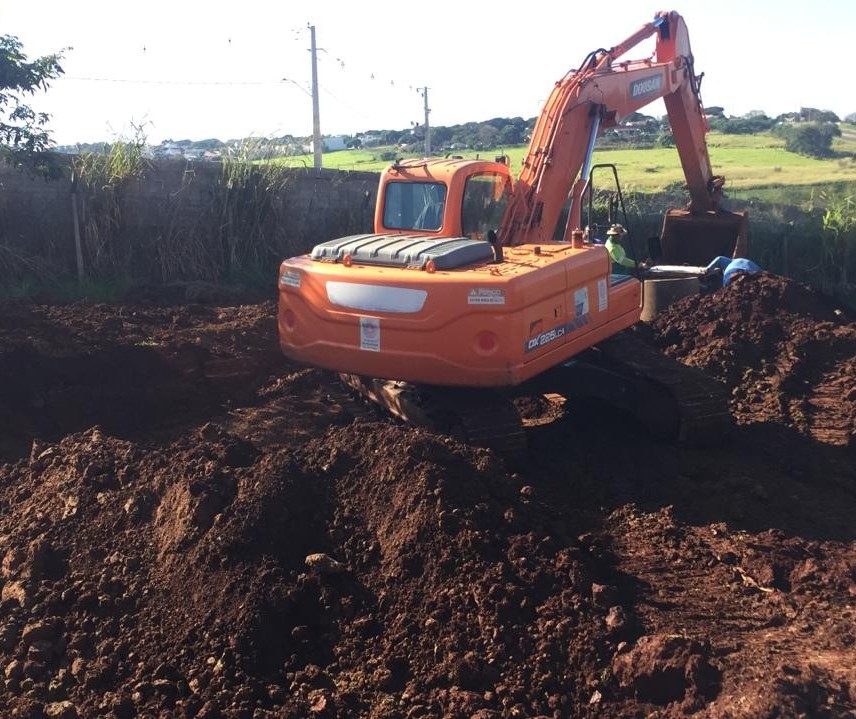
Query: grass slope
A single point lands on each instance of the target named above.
(747, 161)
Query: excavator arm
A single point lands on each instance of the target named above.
(598, 95)
(686, 117)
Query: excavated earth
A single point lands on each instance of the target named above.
(193, 526)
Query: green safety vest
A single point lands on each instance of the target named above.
(621, 263)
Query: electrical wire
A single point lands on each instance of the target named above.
(131, 81)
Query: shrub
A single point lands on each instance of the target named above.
(742, 125)
(813, 139)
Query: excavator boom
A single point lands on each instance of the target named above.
(598, 95)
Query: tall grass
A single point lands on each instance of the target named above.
(248, 207)
(226, 223)
(101, 182)
(837, 244)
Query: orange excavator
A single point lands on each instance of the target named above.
(470, 288)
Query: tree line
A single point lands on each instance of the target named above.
(809, 131)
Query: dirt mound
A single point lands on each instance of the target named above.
(179, 579)
(710, 592)
(788, 355)
(663, 669)
(228, 541)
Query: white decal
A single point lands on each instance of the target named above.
(486, 296)
(602, 296)
(538, 339)
(290, 278)
(375, 298)
(370, 334)
(581, 302)
(545, 338)
(646, 86)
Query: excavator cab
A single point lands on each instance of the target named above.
(442, 198)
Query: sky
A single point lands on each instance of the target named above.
(196, 70)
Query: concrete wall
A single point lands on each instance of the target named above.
(178, 221)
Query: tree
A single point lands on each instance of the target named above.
(851, 118)
(665, 139)
(24, 138)
(635, 118)
(512, 134)
(812, 114)
(440, 136)
(813, 139)
(742, 125)
(487, 135)
(212, 143)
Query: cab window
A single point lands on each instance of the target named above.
(485, 198)
(414, 205)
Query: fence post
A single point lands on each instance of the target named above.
(77, 246)
(785, 249)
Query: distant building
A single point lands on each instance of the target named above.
(371, 139)
(329, 144)
(332, 144)
(168, 150)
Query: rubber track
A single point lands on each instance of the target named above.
(482, 417)
(353, 404)
(489, 420)
(701, 400)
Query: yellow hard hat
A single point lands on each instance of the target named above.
(615, 230)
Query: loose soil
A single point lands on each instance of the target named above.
(192, 526)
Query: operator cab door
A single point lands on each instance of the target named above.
(483, 204)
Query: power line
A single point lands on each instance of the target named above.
(135, 81)
(341, 71)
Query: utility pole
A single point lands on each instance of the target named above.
(427, 126)
(316, 112)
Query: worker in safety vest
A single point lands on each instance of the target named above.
(621, 263)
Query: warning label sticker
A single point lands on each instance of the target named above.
(486, 296)
(370, 334)
(290, 278)
(602, 296)
(581, 302)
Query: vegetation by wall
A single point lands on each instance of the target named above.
(141, 222)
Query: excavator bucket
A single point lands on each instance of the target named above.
(696, 238)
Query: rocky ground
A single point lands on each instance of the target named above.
(191, 526)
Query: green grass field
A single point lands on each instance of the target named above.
(749, 162)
